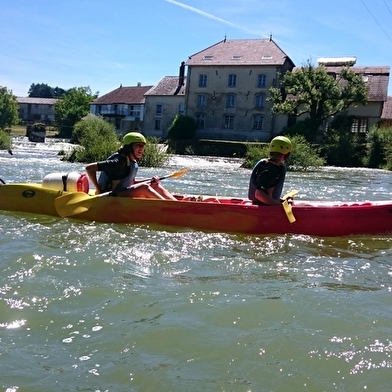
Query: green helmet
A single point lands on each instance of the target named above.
(134, 137)
(280, 144)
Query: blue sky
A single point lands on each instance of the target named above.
(102, 44)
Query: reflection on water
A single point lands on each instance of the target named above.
(104, 307)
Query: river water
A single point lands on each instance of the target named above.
(105, 307)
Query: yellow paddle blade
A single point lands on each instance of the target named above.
(72, 203)
(291, 193)
(288, 210)
(178, 173)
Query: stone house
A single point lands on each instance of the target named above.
(376, 79)
(227, 89)
(122, 107)
(163, 102)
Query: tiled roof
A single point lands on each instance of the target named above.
(167, 86)
(123, 95)
(241, 52)
(377, 79)
(387, 109)
(36, 101)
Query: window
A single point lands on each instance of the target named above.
(229, 121)
(157, 126)
(201, 100)
(261, 80)
(232, 80)
(257, 122)
(259, 101)
(230, 100)
(202, 80)
(158, 110)
(200, 120)
(359, 125)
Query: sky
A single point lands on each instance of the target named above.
(103, 44)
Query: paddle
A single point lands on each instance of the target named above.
(287, 207)
(78, 202)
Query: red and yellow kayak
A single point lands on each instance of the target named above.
(206, 213)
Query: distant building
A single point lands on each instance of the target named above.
(386, 115)
(122, 107)
(36, 109)
(376, 79)
(227, 89)
(163, 102)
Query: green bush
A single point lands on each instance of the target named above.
(182, 128)
(342, 147)
(154, 155)
(97, 139)
(303, 156)
(379, 148)
(5, 140)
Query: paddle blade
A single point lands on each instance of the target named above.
(178, 173)
(72, 204)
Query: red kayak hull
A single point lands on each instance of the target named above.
(213, 214)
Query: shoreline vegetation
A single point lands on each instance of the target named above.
(340, 148)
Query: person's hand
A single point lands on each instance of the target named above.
(155, 181)
(290, 200)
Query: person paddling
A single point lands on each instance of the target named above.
(268, 175)
(120, 169)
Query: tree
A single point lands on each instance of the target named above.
(42, 90)
(313, 91)
(73, 106)
(182, 127)
(9, 109)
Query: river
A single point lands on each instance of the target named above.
(105, 307)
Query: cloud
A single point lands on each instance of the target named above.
(210, 16)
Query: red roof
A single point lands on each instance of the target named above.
(123, 95)
(241, 52)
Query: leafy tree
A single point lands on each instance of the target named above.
(9, 109)
(182, 128)
(342, 147)
(97, 139)
(313, 91)
(73, 106)
(41, 90)
(379, 150)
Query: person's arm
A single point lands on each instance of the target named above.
(266, 198)
(92, 170)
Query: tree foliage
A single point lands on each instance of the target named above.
(42, 90)
(313, 91)
(73, 106)
(9, 109)
(379, 150)
(341, 146)
(98, 139)
(182, 128)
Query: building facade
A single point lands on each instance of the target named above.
(122, 107)
(36, 109)
(227, 89)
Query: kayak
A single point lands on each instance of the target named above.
(205, 213)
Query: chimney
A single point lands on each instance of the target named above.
(181, 77)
